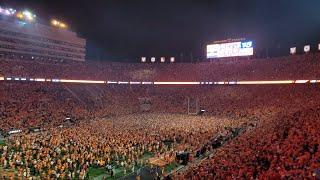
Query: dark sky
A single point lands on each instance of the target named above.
(126, 30)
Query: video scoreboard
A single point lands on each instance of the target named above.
(230, 49)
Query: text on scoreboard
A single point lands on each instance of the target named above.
(232, 49)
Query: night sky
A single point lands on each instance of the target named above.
(119, 30)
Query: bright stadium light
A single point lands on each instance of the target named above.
(63, 25)
(162, 59)
(19, 15)
(7, 11)
(54, 22)
(26, 15)
(58, 24)
(12, 10)
(172, 59)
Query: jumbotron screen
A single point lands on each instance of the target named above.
(232, 49)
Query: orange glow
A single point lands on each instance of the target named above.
(20, 15)
(62, 25)
(54, 22)
(58, 24)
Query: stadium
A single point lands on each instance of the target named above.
(233, 113)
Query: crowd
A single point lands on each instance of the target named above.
(118, 141)
(108, 126)
(280, 68)
(286, 147)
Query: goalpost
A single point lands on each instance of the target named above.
(145, 104)
(193, 105)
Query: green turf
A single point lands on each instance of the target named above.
(99, 173)
(147, 155)
(119, 172)
(168, 168)
(95, 172)
(2, 143)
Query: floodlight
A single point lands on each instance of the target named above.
(20, 15)
(7, 11)
(62, 25)
(27, 15)
(54, 22)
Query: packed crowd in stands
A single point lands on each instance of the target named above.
(110, 128)
(286, 147)
(281, 68)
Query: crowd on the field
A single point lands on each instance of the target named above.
(67, 153)
(283, 144)
(288, 104)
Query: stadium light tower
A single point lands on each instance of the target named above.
(7, 11)
(19, 15)
(54, 22)
(26, 16)
(59, 24)
(63, 25)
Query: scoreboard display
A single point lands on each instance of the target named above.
(230, 49)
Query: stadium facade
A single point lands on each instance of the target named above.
(38, 41)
